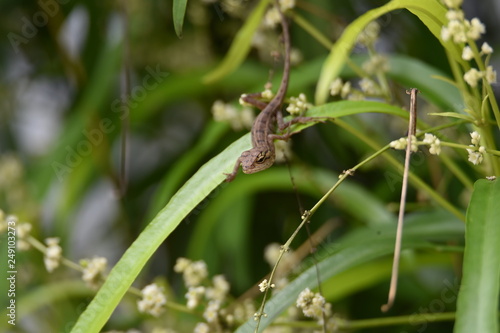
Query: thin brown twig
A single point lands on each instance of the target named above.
(399, 233)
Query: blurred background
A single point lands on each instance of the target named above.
(65, 108)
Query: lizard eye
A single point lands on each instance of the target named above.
(261, 158)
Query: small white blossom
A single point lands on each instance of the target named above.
(152, 301)
(202, 328)
(455, 15)
(219, 290)
(194, 296)
(490, 75)
(53, 254)
(445, 33)
(435, 148)
(456, 30)
(272, 17)
(336, 87)
(369, 87)
(398, 144)
(227, 113)
(401, 143)
(453, 3)
(472, 76)
(376, 64)
(475, 138)
(433, 142)
(370, 34)
(296, 56)
(475, 157)
(264, 285)
(476, 29)
(298, 104)
(486, 48)
(193, 272)
(93, 270)
(346, 89)
(272, 253)
(267, 94)
(211, 312)
(429, 138)
(467, 53)
(312, 304)
(23, 231)
(181, 264)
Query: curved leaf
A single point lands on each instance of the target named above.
(240, 46)
(477, 303)
(121, 277)
(430, 12)
(178, 12)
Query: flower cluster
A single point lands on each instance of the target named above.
(298, 104)
(476, 151)
(214, 294)
(376, 64)
(53, 254)
(429, 139)
(264, 285)
(337, 88)
(313, 305)
(93, 270)
(228, 113)
(461, 30)
(23, 231)
(152, 301)
(370, 34)
(433, 142)
(193, 272)
(273, 17)
(472, 76)
(401, 143)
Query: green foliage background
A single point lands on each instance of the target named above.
(176, 204)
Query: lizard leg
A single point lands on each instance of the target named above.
(230, 176)
(254, 99)
(298, 120)
(284, 125)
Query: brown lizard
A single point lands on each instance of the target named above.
(262, 154)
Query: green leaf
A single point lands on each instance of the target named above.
(240, 47)
(477, 304)
(178, 12)
(185, 165)
(121, 277)
(453, 115)
(368, 245)
(430, 12)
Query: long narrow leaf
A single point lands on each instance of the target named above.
(430, 12)
(477, 304)
(126, 270)
(178, 13)
(240, 47)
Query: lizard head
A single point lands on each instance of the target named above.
(256, 159)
